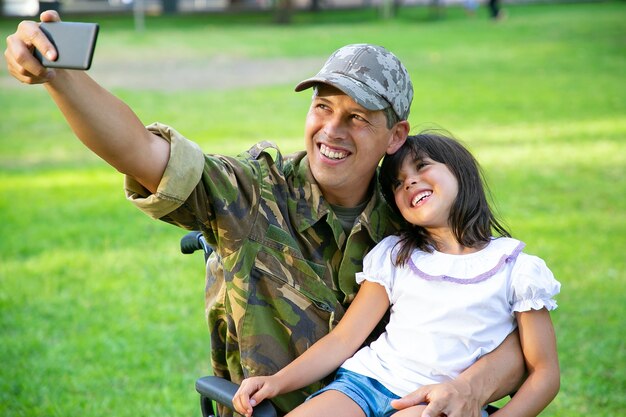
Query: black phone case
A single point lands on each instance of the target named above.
(75, 43)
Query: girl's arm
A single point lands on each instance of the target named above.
(539, 346)
(325, 355)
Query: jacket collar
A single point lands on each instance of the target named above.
(377, 218)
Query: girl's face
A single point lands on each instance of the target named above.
(425, 191)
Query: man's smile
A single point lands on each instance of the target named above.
(333, 153)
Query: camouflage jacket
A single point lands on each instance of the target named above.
(283, 270)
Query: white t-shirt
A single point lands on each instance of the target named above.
(448, 310)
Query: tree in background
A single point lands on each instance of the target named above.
(170, 6)
(283, 10)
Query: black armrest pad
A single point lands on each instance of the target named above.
(222, 391)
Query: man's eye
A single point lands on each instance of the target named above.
(359, 118)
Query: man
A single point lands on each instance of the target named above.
(289, 233)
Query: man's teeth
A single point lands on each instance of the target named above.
(327, 152)
(420, 196)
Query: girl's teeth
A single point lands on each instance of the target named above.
(420, 196)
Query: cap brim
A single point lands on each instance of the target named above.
(358, 91)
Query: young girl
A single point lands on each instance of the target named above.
(455, 292)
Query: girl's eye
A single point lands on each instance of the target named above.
(395, 184)
(420, 165)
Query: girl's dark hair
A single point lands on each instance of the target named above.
(471, 218)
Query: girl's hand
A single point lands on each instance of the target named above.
(252, 391)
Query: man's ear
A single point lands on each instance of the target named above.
(399, 133)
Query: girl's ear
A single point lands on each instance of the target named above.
(398, 136)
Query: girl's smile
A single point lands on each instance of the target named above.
(421, 198)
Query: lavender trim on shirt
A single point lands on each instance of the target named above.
(478, 278)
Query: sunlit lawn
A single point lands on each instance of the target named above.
(101, 315)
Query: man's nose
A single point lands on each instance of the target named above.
(335, 127)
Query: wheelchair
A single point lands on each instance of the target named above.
(213, 389)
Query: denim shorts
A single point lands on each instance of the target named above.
(369, 394)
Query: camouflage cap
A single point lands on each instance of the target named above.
(374, 78)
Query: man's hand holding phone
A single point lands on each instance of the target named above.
(26, 67)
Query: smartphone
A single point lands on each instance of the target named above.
(75, 43)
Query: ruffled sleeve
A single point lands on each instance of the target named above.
(378, 266)
(533, 285)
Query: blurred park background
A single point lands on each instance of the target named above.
(100, 314)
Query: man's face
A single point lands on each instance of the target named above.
(344, 143)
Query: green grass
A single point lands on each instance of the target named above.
(100, 313)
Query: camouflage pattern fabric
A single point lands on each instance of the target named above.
(283, 270)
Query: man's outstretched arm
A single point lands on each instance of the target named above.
(101, 121)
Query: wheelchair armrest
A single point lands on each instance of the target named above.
(222, 391)
(194, 241)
